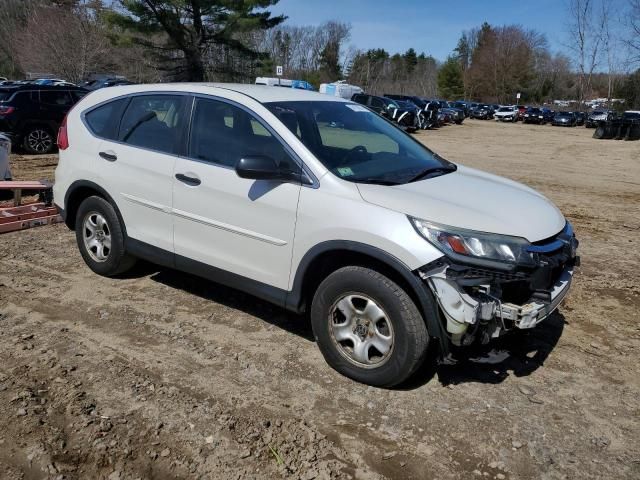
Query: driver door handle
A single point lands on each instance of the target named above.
(108, 156)
(192, 181)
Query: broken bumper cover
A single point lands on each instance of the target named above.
(480, 302)
(532, 313)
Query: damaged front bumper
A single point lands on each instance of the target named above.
(478, 304)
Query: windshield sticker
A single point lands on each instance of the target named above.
(357, 108)
(345, 171)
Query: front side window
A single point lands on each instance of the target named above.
(358, 145)
(154, 122)
(222, 134)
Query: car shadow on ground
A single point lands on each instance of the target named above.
(518, 353)
(229, 297)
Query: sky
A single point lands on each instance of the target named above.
(429, 26)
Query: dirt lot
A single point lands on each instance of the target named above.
(163, 375)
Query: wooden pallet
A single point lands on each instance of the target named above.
(20, 215)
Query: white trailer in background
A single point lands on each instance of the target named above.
(340, 89)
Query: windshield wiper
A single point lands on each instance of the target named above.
(429, 171)
(375, 181)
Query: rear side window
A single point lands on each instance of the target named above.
(155, 122)
(60, 98)
(4, 95)
(103, 121)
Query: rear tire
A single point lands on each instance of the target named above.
(100, 238)
(367, 327)
(38, 140)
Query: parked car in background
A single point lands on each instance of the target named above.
(564, 119)
(457, 114)
(521, 111)
(31, 114)
(580, 118)
(464, 106)
(482, 112)
(318, 205)
(105, 82)
(534, 115)
(597, 116)
(404, 115)
(631, 115)
(506, 114)
(428, 116)
(548, 115)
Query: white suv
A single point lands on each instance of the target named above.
(318, 205)
(506, 114)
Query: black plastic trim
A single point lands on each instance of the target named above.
(101, 191)
(162, 257)
(427, 306)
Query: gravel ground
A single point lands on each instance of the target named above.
(162, 375)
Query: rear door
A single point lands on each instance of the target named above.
(136, 165)
(238, 225)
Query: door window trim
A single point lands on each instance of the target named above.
(127, 97)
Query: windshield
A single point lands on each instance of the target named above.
(505, 109)
(564, 114)
(391, 103)
(356, 144)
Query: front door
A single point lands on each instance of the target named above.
(237, 225)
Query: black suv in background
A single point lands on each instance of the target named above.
(31, 114)
(402, 113)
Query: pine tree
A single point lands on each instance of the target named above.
(192, 27)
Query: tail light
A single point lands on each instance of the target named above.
(63, 137)
(6, 110)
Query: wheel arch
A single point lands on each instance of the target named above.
(327, 257)
(79, 191)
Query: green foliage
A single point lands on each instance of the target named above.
(450, 81)
(410, 60)
(630, 91)
(192, 28)
(330, 62)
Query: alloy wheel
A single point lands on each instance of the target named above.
(361, 330)
(39, 140)
(97, 236)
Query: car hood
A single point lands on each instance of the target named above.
(475, 200)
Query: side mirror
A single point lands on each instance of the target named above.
(263, 168)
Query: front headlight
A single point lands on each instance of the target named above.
(469, 243)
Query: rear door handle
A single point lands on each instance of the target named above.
(110, 157)
(193, 181)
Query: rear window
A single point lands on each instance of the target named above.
(103, 120)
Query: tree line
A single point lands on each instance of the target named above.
(219, 40)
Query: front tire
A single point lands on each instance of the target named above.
(367, 327)
(100, 238)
